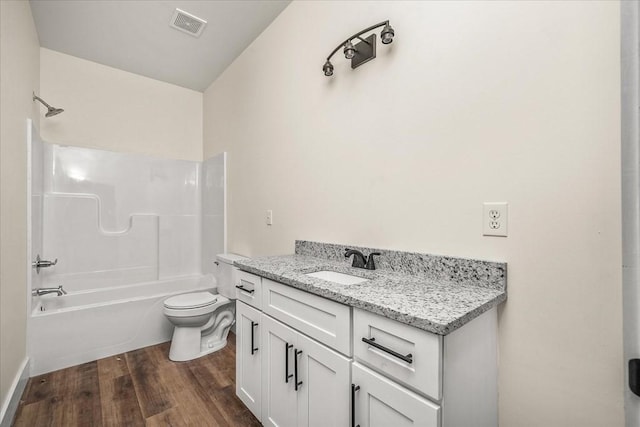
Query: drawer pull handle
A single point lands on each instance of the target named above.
(296, 383)
(287, 375)
(242, 288)
(253, 347)
(372, 342)
(354, 388)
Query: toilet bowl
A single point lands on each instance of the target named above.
(202, 320)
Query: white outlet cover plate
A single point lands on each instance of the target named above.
(494, 219)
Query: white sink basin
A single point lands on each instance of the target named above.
(335, 277)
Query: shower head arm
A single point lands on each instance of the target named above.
(42, 101)
(51, 111)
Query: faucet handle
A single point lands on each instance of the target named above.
(371, 265)
(42, 263)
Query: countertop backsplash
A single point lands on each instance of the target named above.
(486, 274)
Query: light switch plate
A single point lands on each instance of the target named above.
(494, 219)
(269, 217)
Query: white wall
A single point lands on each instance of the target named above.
(19, 69)
(474, 101)
(116, 110)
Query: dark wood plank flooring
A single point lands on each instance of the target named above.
(138, 388)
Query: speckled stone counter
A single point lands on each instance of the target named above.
(435, 293)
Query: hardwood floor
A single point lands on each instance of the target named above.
(138, 388)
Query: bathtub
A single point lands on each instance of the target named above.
(83, 326)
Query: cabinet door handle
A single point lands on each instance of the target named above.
(354, 388)
(634, 376)
(253, 347)
(242, 288)
(287, 375)
(372, 342)
(297, 383)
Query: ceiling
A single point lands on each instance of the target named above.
(135, 36)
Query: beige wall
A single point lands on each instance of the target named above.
(116, 110)
(473, 102)
(19, 59)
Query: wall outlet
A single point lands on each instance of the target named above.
(494, 219)
(269, 217)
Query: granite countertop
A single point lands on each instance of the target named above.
(433, 293)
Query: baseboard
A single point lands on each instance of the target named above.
(10, 405)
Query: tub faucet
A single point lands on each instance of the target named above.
(43, 291)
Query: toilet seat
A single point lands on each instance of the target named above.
(191, 301)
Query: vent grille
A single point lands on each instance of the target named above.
(187, 23)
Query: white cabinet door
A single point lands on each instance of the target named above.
(248, 360)
(323, 396)
(380, 402)
(279, 405)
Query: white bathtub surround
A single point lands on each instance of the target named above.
(137, 217)
(127, 232)
(84, 326)
(35, 204)
(214, 205)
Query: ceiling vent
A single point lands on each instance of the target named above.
(187, 23)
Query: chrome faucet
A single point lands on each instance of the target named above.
(43, 291)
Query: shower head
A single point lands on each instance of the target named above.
(52, 111)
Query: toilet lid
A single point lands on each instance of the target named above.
(194, 300)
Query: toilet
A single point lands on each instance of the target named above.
(202, 320)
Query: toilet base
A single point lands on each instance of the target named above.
(180, 352)
(189, 343)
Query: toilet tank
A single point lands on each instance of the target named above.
(226, 274)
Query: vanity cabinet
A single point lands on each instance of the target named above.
(305, 360)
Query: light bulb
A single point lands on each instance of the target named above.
(386, 36)
(349, 51)
(327, 68)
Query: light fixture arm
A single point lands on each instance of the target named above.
(357, 35)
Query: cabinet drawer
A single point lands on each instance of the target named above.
(324, 320)
(411, 356)
(249, 289)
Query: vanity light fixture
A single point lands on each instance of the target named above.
(362, 52)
